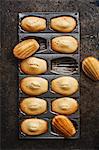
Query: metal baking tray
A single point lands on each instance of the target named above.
(58, 65)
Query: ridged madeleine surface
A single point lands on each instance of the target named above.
(25, 48)
(34, 126)
(63, 125)
(65, 85)
(33, 106)
(33, 24)
(34, 85)
(65, 105)
(64, 44)
(90, 66)
(33, 65)
(63, 24)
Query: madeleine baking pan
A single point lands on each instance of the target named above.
(58, 65)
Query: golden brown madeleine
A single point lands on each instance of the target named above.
(65, 85)
(63, 24)
(90, 66)
(33, 106)
(34, 126)
(64, 44)
(34, 85)
(33, 24)
(65, 105)
(25, 48)
(64, 126)
(33, 65)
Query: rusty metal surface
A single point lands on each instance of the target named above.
(89, 18)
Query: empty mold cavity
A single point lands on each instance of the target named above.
(42, 42)
(64, 65)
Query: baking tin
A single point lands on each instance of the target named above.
(53, 58)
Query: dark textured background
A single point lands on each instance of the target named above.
(89, 18)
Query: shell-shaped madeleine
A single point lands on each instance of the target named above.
(33, 24)
(64, 44)
(63, 125)
(33, 66)
(63, 24)
(90, 66)
(34, 85)
(65, 105)
(34, 126)
(25, 48)
(65, 85)
(33, 106)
